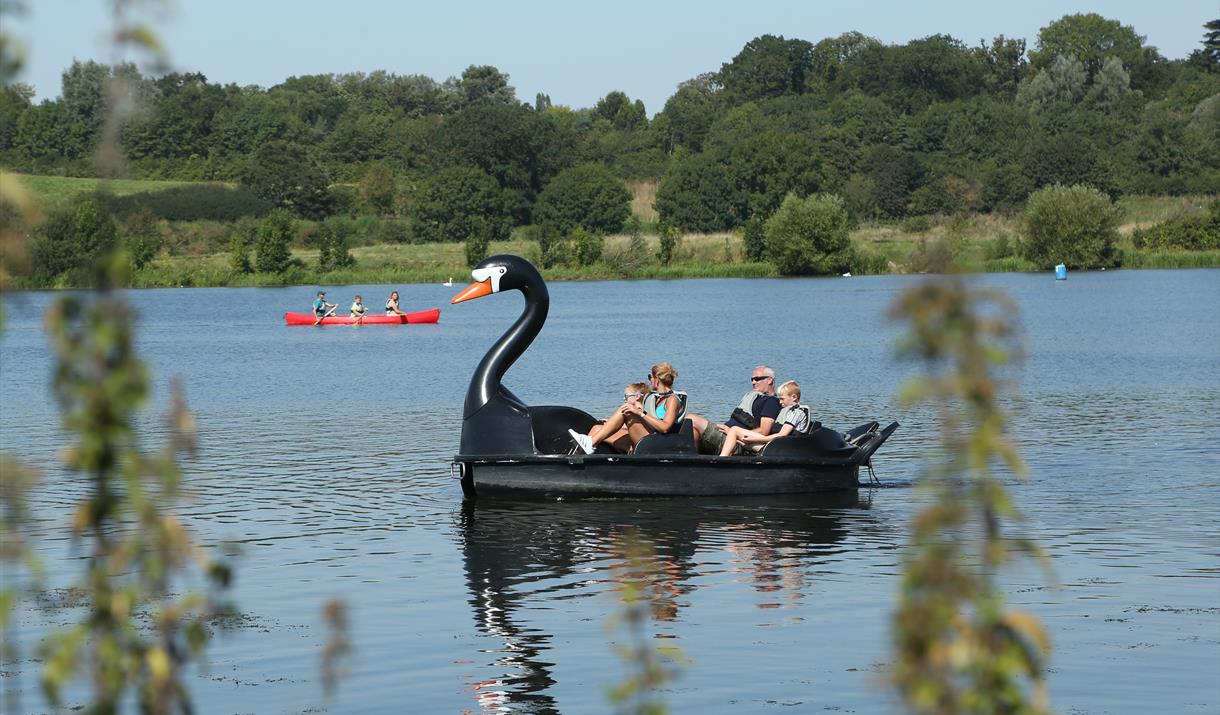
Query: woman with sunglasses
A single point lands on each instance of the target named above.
(661, 410)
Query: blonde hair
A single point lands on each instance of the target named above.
(665, 372)
(640, 387)
(791, 388)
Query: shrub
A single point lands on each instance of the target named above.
(551, 246)
(476, 247)
(241, 240)
(460, 204)
(754, 236)
(588, 245)
(73, 240)
(211, 202)
(142, 238)
(1073, 225)
(1190, 233)
(271, 247)
(917, 224)
(1001, 246)
(669, 243)
(392, 231)
(810, 236)
(588, 196)
(331, 238)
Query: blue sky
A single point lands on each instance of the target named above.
(575, 52)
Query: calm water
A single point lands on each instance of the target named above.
(325, 457)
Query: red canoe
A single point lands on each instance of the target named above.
(423, 316)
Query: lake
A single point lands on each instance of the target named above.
(325, 459)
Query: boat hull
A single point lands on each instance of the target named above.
(630, 476)
(423, 316)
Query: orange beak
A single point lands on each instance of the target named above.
(472, 291)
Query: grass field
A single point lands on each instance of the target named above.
(48, 191)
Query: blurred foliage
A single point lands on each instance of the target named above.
(137, 547)
(640, 584)
(957, 649)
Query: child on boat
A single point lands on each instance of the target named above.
(620, 439)
(358, 308)
(321, 308)
(660, 411)
(793, 419)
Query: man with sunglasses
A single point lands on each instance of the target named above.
(756, 411)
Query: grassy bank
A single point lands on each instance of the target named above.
(194, 252)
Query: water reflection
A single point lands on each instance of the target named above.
(521, 557)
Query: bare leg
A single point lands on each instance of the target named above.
(730, 441)
(612, 424)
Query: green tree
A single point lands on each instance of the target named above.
(1067, 160)
(520, 149)
(242, 240)
(690, 113)
(378, 189)
(1211, 43)
(618, 109)
(332, 237)
(810, 236)
(1091, 38)
(181, 120)
(73, 240)
(271, 247)
(484, 84)
(754, 236)
(462, 204)
(1073, 225)
(768, 66)
(1064, 81)
(1005, 66)
(287, 175)
(588, 196)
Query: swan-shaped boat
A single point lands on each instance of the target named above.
(509, 448)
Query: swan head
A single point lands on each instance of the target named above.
(499, 273)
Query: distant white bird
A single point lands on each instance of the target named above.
(448, 282)
(847, 274)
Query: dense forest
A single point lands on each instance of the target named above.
(932, 126)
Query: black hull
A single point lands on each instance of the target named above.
(633, 476)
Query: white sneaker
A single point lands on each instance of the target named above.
(584, 441)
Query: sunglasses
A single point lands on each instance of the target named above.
(760, 377)
(629, 395)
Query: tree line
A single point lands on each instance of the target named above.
(932, 126)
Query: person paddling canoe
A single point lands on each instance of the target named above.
(391, 305)
(321, 308)
(358, 309)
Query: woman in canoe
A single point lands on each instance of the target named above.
(391, 305)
